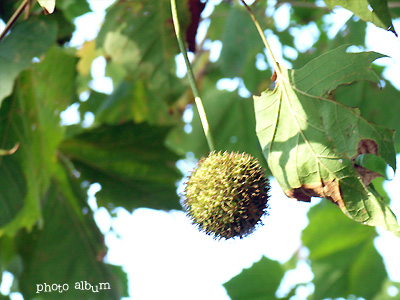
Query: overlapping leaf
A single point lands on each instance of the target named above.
(139, 35)
(13, 189)
(343, 257)
(131, 164)
(68, 249)
(31, 118)
(238, 30)
(132, 100)
(365, 95)
(309, 141)
(27, 40)
(374, 11)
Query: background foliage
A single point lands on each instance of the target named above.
(47, 229)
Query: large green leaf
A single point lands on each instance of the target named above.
(28, 39)
(139, 35)
(68, 249)
(239, 30)
(232, 125)
(309, 140)
(130, 162)
(259, 282)
(73, 9)
(12, 187)
(133, 101)
(31, 118)
(342, 255)
(370, 99)
(374, 11)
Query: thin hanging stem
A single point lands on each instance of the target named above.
(14, 18)
(192, 81)
(262, 35)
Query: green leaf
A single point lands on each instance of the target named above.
(68, 249)
(372, 162)
(130, 162)
(384, 295)
(370, 99)
(342, 255)
(48, 5)
(374, 11)
(239, 30)
(140, 36)
(73, 9)
(31, 118)
(28, 39)
(309, 140)
(259, 282)
(232, 125)
(133, 101)
(13, 189)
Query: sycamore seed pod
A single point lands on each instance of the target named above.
(226, 195)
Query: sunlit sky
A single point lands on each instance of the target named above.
(164, 256)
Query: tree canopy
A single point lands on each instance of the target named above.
(321, 120)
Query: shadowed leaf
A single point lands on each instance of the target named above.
(31, 118)
(342, 255)
(309, 141)
(28, 39)
(68, 249)
(374, 11)
(130, 162)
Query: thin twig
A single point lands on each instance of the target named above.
(14, 17)
(192, 81)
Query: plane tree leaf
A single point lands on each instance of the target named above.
(133, 100)
(73, 9)
(372, 162)
(31, 118)
(310, 141)
(140, 37)
(69, 248)
(374, 11)
(369, 98)
(13, 189)
(259, 282)
(239, 30)
(130, 162)
(342, 257)
(28, 39)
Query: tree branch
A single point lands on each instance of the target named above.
(15, 17)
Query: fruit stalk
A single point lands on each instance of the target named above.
(192, 81)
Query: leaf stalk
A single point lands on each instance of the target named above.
(262, 35)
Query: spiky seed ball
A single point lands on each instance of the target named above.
(226, 194)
